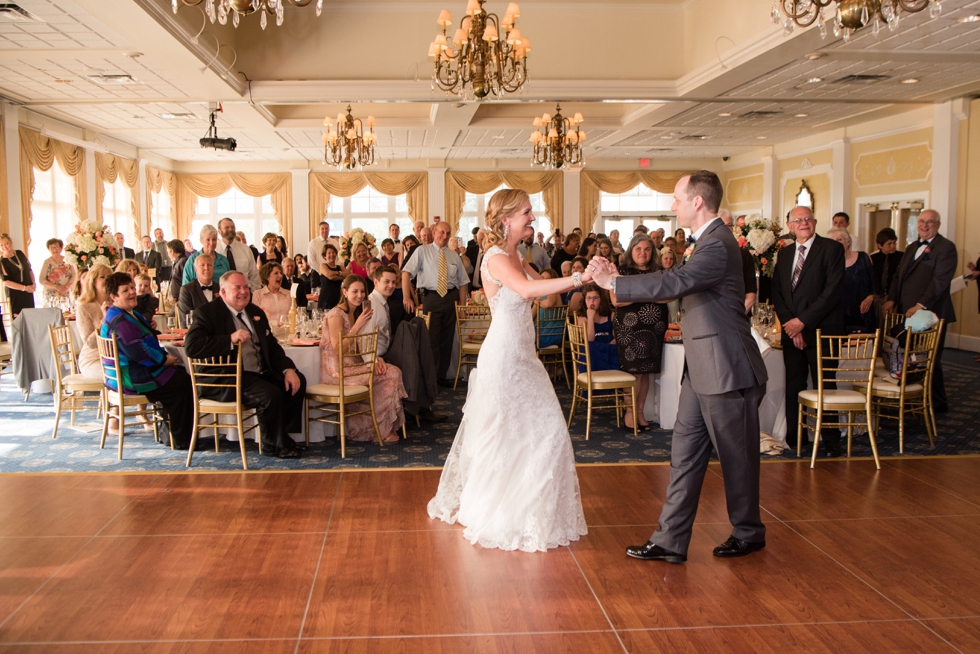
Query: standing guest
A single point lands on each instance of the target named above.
(272, 297)
(271, 384)
(359, 259)
(442, 282)
(282, 247)
(178, 259)
(394, 233)
(17, 276)
(291, 277)
(588, 247)
(568, 252)
(456, 246)
(251, 248)
(641, 229)
(617, 247)
(426, 236)
(841, 220)
(127, 253)
(189, 247)
(472, 247)
(922, 282)
(382, 318)
(604, 249)
(302, 267)
(200, 290)
(533, 252)
(270, 252)
(598, 325)
(417, 228)
(657, 236)
(149, 257)
(476, 282)
(146, 303)
(669, 242)
(314, 253)
(209, 245)
(748, 264)
(807, 289)
(640, 327)
(859, 287)
(57, 275)
(389, 256)
(554, 243)
(238, 254)
(680, 244)
(409, 245)
(89, 313)
(540, 240)
(147, 369)
(667, 258)
(160, 245)
(350, 317)
(331, 277)
(886, 261)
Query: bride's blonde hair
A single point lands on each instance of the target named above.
(505, 202)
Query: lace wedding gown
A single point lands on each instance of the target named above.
(510, 475)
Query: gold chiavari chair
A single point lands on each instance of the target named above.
(589, 381)
(472, 325)
(116, 402)
(845, 359)
(549, 325)
(70, 388)
(359, 352)
(222, 373)
(912, 391)
(427, 317)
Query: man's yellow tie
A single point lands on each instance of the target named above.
(442, 286)
(527, 252)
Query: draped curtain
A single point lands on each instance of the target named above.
(278, 185)
(549, 184)
(415, 186)
(160, 180)
(595, 181)
(4, 218)
(108, 169)
(40, 152)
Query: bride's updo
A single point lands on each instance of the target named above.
(504, 202)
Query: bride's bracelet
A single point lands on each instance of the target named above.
(577, 279)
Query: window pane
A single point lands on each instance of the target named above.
(470, 206)
(269, 225)
(405, 225)
(244, 204)
(466, 225)
(196, 225)
(377, 227)
(226, 203)
(336, 205)
(336, 226)
(203, 206)
(267, 205)
(401, 204)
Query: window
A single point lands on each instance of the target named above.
(369, 210)
(253, 216)
(640, 205)
(161, 218)
(53, 213)
(117, 212)
(475, 209)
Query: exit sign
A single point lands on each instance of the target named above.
(644, 163)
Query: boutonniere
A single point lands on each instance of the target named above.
(256, 318)
(689, 251)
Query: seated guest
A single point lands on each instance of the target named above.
(567, 253)
(566, 269)
(573, 298)
(146, 303)
(271, 384)
(89, 313)
(598, 324)
(385, 314)
(271, 244)
(272, 297)
(129, 266)
(189, 247)
(588, 248)
(604, 249)
(331, 277)
(390, 257)
(350, 317)
(201, 290)
(859, 287)
(146, 367)
(209, 243)
(290, 278)
(553, 300)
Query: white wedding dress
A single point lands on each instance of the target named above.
(510, 475)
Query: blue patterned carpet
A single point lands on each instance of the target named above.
(26, 444)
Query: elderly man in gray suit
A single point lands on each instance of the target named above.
(724, 376)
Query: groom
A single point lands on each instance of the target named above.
(724, 376)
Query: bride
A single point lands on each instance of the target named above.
(510, 475)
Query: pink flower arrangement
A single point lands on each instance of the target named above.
(750, 230)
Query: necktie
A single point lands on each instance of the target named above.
(798, 269)
(244, 321)
(230, 257)
(527, 253)
(442, 285)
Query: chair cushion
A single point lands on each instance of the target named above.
(831, 397)
(890, 386)
(5, 348)
(549, 348)
(333, 390)
(471, 348)
(81, 380)
(127, 399)
(214, 404)
(607, 377)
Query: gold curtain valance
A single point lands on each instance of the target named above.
(549, 184)
(415, 186)
(108, 169)
(277, 185)
(41, 152)
(160, 180)
(619, 181)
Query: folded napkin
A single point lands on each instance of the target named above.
(303, 342)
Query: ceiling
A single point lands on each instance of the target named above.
(665, 79)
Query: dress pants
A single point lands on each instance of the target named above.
(729, 423)
(279, 412)
(799, 364)
(442, 326)
(177, 408)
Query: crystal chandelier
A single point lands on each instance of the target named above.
(347, 146)
(846, 16)
(219, 10)
(557, 141)
(480, 61)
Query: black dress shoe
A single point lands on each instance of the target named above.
(652, 552)
(301, 445)
(288, 453)
(734, 547)
(429, 415)
(833, 452)
(445, 383)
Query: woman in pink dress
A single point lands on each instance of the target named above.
(359, 259)
(350, 316)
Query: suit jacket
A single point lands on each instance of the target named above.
(719, 350)
(151, 259)
(301, 292)
(926, 280)
(817, 298)
(192, 298)
(128, 253)
(472, 248)
(177, 276)
(885, 266)
(210, 336)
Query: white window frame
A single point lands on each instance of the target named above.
(262, 218)
(626, 221)
(161, 218)
(471, 218)
(117, 212)
(47, 221)
(342, 218)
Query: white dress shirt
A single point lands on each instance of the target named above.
(244, 261)
(808, 244)
(424, 266)
(539, 257)
(922, 248)
(380, 319)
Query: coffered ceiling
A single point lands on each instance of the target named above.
(664, 79)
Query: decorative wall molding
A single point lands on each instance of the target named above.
(888, 166)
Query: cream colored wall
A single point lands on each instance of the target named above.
(744, 188)
(819, 184)
(968, 229)
(898, 163)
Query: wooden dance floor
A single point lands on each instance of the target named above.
(857, 561)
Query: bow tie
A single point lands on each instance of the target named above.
(691, 240)
(209, 287)
(926, 243)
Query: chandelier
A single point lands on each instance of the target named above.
(557, 141)
(219, 10)
(480, 61)
(848, 15)
(347, 146)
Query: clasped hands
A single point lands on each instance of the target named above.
(601, 271)
(794, 329)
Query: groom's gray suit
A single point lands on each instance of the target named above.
(724, 383)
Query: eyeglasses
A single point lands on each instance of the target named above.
(928, 222)
(801, 220)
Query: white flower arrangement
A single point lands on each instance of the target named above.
(91, 243)
(761, 240)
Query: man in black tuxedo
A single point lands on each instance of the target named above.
(270, 381)
(807, 287)
(150, 258)
(922, 282)
(290, 278)
(198, 292)
(473, 248)
(127, 253)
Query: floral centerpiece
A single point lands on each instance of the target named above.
(352, 238)
(761, 238)
(92, 243)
